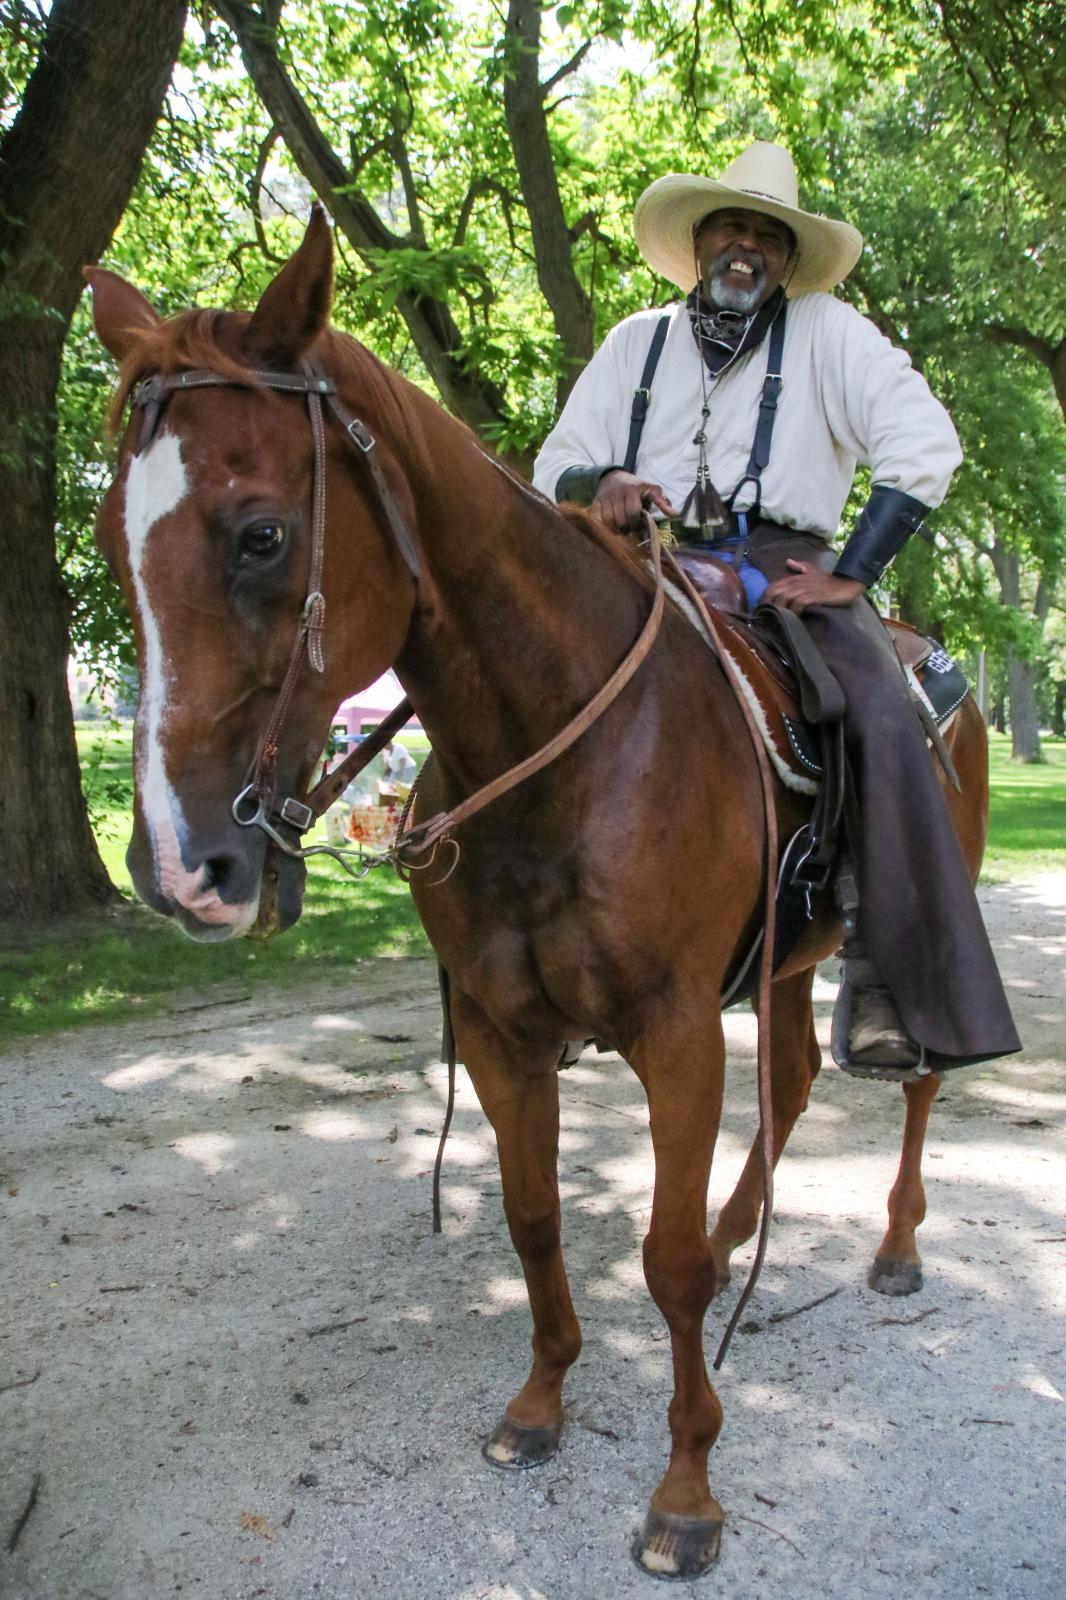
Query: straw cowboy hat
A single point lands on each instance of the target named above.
(763, 179)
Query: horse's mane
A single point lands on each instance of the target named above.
(215, 340)
(621, 549)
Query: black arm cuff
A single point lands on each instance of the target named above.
(885, 524)
(581, 483)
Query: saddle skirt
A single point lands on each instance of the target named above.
(767, 678)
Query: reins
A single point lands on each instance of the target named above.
(764, 1001)
(255, 805)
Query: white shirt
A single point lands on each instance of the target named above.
(848, 396)
(398, 764)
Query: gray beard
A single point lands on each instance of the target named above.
(744, 301)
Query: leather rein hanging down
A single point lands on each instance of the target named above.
(255, 805)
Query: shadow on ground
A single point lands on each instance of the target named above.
(243, 1366)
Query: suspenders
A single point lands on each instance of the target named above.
(642, 395)
(764, 427)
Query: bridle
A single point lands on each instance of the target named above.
(150, 395)
(255, 806)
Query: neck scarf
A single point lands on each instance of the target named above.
(721, 335)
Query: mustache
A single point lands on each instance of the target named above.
(751, 258)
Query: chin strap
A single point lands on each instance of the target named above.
(885, 524)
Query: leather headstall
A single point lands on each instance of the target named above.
(255, 805)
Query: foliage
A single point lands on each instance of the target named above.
(936, 128)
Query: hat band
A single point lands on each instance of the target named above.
(760, 194)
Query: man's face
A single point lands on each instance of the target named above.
(743, 256)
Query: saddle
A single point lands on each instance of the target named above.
(799, 708)
(790, 683)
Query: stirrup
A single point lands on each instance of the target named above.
(885, 1072)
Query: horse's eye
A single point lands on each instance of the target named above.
(262, 540)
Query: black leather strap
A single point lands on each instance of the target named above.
(885, 524)
(772, 385)
(642, 394)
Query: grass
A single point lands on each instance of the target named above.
(1027, 821)
(134, 963)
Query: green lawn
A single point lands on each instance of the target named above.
(136, 961)
(1027, 821)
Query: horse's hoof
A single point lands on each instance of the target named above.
(895, 1277)
(677, 1547)
(513, 1448)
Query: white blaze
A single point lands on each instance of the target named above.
(156, 484)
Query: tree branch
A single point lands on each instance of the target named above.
(566, 69)
(255, 192)
(436, 335)
(1004, 334)
(527, 125)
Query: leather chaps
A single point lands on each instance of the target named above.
(918, 915)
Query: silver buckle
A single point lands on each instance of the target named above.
(360, 435)
(297, 813)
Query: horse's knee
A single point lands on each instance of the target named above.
(681, 1279)
(535, 1237)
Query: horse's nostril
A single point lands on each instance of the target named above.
(217, 872)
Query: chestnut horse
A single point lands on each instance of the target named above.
(581, 907)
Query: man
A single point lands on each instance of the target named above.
(766, 393)
(397, 763)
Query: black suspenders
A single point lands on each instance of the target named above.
(642, 395)
(764, 427)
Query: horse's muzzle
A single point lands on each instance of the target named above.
(212, 889)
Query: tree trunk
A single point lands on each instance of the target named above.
(527, 125)
(1021, 672)
(1058, 713)
(436, 336)
(67, 166)
(1024, 717)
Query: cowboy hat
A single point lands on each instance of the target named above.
(762, 179)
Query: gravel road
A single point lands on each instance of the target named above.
(235, 1362)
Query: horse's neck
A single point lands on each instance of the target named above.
(521, 618)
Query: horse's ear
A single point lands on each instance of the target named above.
(294, 308)
(120, 312)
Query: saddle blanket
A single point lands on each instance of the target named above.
(768, 685)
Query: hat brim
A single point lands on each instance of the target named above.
(670, 208)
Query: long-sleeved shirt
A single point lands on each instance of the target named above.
(848, 396)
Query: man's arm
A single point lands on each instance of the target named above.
(885, 414)
(581, 459)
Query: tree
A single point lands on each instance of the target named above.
(68, 161)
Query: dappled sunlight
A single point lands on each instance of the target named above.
(334, 1125)
(1004, 1094)
(151, 1069)
(503, 1294)
(210, 1151)
(1040, 1385)
(326, 1022)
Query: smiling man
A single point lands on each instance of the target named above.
(740, 414)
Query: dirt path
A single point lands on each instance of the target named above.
(236, 1362)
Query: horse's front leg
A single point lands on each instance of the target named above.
(519, 1091)
(682, 1070)
(897, 1266)
(795, 1060)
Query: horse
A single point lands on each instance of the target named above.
(579, 907)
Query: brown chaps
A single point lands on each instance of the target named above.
(918, 918)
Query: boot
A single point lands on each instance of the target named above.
(869, 1037)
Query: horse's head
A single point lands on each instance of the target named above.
(208, 528)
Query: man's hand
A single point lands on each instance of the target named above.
(622, 497)
(812, 587)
